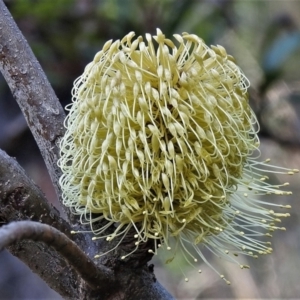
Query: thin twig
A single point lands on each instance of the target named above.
(23, 230)
(21, 199)
(33, 92)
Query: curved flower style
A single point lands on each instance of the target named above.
(159, 138)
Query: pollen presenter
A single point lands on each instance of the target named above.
(160, 137)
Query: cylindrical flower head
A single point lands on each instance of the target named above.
(159, 137)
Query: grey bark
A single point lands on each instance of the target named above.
(38, 232)
(20, 199)
(33, 93)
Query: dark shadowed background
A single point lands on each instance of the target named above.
(263, 36)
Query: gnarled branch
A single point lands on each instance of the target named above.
(33, 92)
(24, 230)
(21, 199)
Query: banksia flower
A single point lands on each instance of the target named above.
(160, 138)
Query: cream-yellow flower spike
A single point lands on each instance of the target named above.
(159, 138)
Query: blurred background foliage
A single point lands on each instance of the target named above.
(263, 36)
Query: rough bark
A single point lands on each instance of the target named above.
(33, 92)
(21, 199)
(35, 231)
